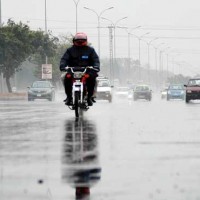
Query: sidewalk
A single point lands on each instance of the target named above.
(13, 96)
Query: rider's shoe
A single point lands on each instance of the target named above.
(89, 102)
(65, 100)
(68, 101)
(93, 99)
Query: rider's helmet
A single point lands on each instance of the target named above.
(80, 39)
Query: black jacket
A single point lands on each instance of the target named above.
(79, 56)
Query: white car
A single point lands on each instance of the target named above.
(104, 90)
(122, 92)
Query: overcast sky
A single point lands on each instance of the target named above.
(174, 22)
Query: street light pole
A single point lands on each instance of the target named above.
(139, 39)
(148, 44)
(156, 62)
(2, 83)
(113, 26)
(98, 18)
(76, 4)
(45, 2)
(0, 15)
(129, 51)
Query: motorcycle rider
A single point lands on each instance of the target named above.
(80, 55)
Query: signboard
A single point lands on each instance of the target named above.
(46, 71)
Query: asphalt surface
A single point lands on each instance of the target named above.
(121, 150)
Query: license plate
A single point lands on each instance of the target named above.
(38, 95)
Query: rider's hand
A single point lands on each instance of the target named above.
(62, 68)
(96, 68)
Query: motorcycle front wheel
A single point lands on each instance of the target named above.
(76, 104)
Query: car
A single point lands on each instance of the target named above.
(192, 90)
(104, 90)
(122, 92)
(175, 91)
(41, 89)
(164, 93)
(142, 92)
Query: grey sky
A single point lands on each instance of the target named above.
(174, 22)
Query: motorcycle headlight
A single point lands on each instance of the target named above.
(78, 74)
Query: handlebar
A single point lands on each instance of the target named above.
(81, 68)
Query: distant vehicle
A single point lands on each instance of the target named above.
(164, 93)
(142, 92)
(192, 89)
(104, 91)
(175, 91)
(41, 90)
(122, 92)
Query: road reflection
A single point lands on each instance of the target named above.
(80, 163)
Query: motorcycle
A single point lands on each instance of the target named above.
(79, 90)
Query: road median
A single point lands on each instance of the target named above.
(13, 96)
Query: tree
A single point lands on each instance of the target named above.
(18, 43)
(62, 43)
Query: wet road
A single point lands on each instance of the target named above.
(122, 150)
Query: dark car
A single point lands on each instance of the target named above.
(104, 90)
(41, 90)
(142, 92)
(192, 89)
(175, 91)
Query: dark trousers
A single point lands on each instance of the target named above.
(90, 84)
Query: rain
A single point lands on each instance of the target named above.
(140, 138)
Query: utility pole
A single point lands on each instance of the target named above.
(111, 52)
(98, 18)
(2, 83)
(46, 25)
(0, 15)
(76, 4)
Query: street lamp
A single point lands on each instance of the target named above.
(129, 57)
(114, 26)
(161, 63)
(98, 18)
(0, 15)
(139, 39)
(76, 4)
(156, 62)
(45, 2)
(148, 44)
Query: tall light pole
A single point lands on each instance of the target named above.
(45, 2)
(76, 4)
(129, 56)
(156, 62)
(161, 63)
(98, 18)
(148, 44)
(2, 83)
(0, 15)
(113, 26)
(139, 50)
